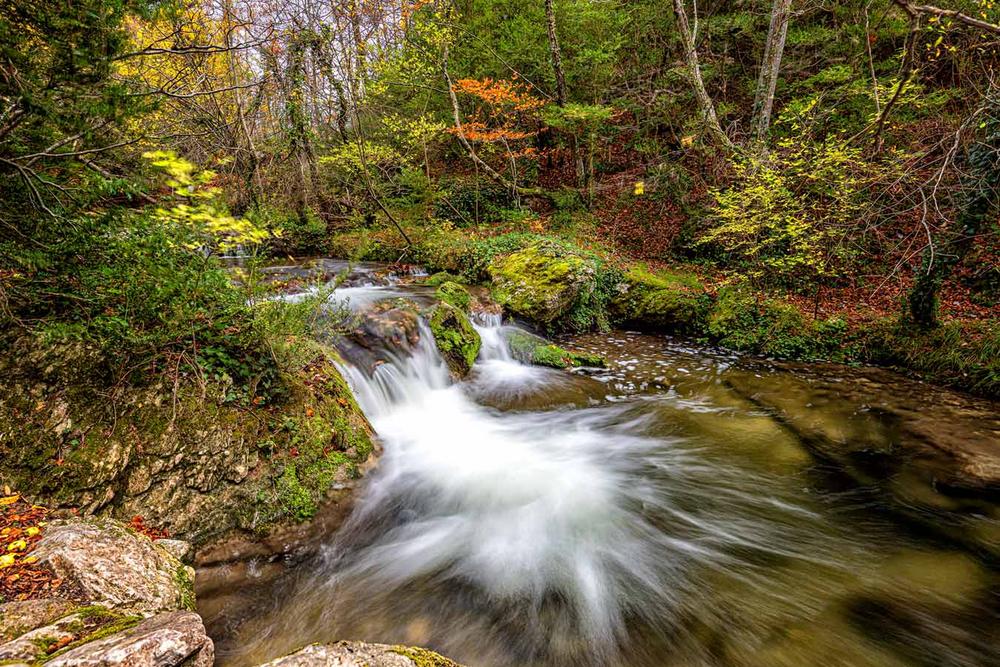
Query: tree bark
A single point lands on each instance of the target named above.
(770, 65)
(705, 103)
(550, 20)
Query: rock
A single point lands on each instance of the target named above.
(454, 294)
(359, 654)
(662, 301)
(179, 549)
(16, 618)
(165, 640)
(456, 338)
(541, 283)
(32, 645)
(530, 349)
(385, 329)
(115, 566)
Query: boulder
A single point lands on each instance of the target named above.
(661, 301)
(541, 283)
(165, 640)
(457, 340)
(454, 294)
(385, 329)
(530, 349)
(19, 617)
(113, 566)
(359, 654)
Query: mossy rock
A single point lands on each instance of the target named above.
(457, 340)
(661, 301)
(454, 294)
(442, 277)
(541, 283)
(531, 349)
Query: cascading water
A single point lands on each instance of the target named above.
(519, 517)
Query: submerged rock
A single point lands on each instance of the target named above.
(382, 331)
(541, 283)
(456, 338)
(116, 567)
(360, 654)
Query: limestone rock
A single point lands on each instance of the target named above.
(32, 644)
(16, 618)
(359, 654)
(165, 640)
(115, 566)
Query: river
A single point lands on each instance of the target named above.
(673, 508)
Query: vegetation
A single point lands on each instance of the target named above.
(839, 162)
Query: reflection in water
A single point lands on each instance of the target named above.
(647, 515)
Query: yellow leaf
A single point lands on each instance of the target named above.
(30, 560)
(10, 500)
(640, 188)
(17, 545)
(32, 531)
(7, 560)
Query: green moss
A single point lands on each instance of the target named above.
(454, 294)
(742, 319)
(442, 277)
(456, 339)
(532, 349)
(422, 657)
(185, 584)
(662, 301)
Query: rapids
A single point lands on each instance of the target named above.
(645, 514)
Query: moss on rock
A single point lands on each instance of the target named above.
(663, 301)
(531, 349)
(454, 294)
(456, 338)
(540, 282)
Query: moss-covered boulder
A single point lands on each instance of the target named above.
(457, 340)
(541, 283)
(661, 301)
(442, 277)
(454, 294)
(530, 349)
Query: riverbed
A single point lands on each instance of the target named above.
(682, 506)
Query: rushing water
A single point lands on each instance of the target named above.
(645, 514)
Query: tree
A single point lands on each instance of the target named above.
(770, 66)
(979, 200)
(693, 67)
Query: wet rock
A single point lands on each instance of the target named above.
(456, 338)
(165, 640)
(530, 349)
(359, 654)
(19, 617)
(115, 566)
(540, 283)
(385, 329)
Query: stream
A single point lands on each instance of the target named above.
(675, 508)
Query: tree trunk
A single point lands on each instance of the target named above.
(770, 65)
(705, 103)
(550, 20)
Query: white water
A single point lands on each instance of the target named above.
(574, 518)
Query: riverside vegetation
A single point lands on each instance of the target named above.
(792, 181)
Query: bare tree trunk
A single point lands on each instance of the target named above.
(694, 73)
(770, 65)
(550, 20)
